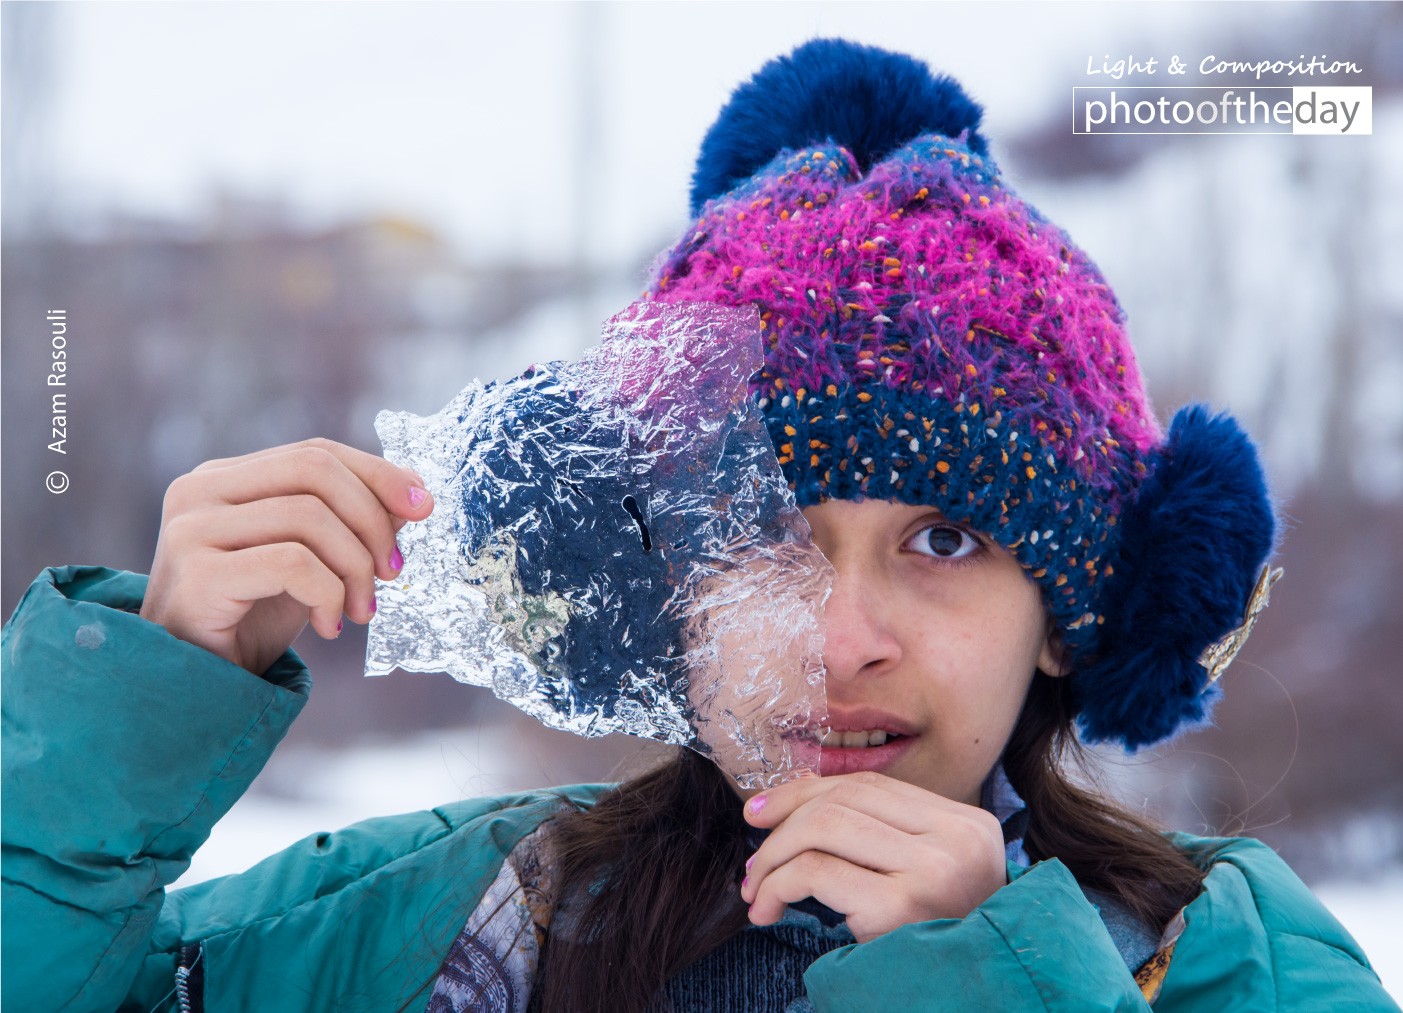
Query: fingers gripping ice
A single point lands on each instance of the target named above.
(615, 548)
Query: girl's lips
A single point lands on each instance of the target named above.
(837, 760)
(868, 719)
(831, 760)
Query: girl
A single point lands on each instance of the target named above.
(1019, 551)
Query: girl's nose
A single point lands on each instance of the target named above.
(859, 631)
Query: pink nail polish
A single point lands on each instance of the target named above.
(341, 622)
(749, 862)
(416, 495)
(745, 882)
(396, 560)
(757, 803)
(373, 604)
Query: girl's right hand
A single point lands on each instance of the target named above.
(252, 548)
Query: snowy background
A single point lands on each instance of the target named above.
(270, 221)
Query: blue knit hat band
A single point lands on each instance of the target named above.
(977, 469)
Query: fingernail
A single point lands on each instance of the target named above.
(416, 495)
(749, 862)
(341, 622)
(373, 604)
(396, 560)
(745, 882)
(757, 803)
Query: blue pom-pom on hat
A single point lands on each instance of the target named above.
(869, 100)
(1191, 547)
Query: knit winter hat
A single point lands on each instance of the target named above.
(932, 339)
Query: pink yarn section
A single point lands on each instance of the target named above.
(929, 277)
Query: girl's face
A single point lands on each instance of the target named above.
(932, 634)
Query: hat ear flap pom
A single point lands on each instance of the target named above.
(1192, 545)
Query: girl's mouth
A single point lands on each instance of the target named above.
(849, 752)
(841, 753)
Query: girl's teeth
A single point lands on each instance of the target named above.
(854, 740)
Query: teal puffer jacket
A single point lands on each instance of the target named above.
(124, 745)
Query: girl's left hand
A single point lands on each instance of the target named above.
(880, 851)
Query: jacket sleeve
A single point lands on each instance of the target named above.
(1257, 939)
(122, 747)
(1036, 944)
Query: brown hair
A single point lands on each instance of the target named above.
(1104, 846)
(647, 881)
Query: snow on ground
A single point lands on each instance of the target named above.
(304, 792)
(1371, 911)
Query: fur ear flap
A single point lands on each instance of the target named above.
(866, 99)
(1192, 545)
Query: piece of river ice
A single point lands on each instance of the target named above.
(614, 547)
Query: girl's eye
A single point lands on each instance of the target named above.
(944, 541)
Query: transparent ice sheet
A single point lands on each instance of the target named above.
(614, 548)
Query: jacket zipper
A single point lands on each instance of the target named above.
(190, 980)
